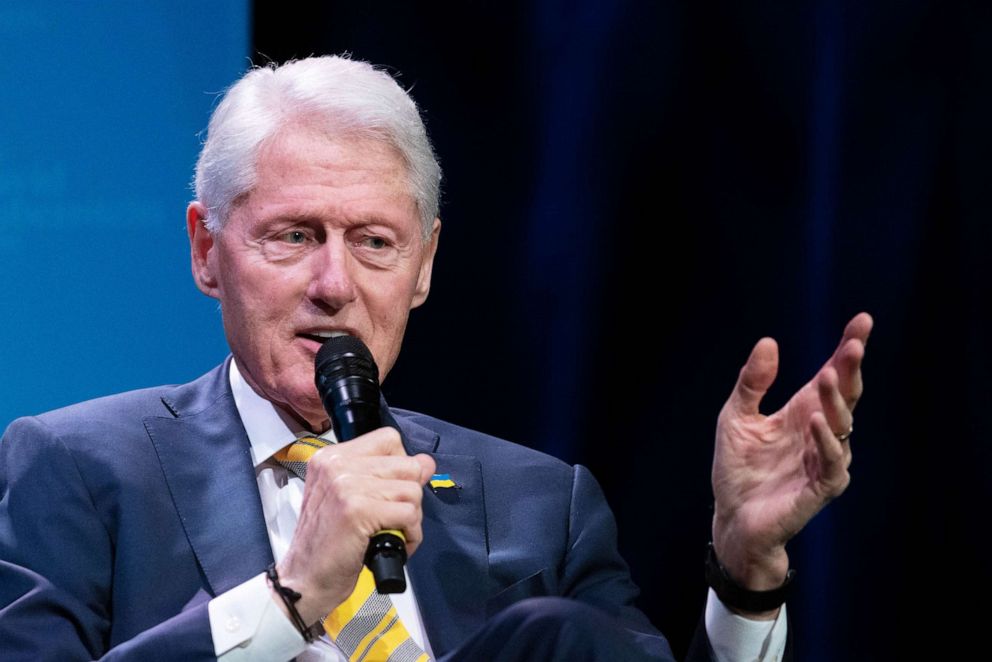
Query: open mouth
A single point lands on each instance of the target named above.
(322, 336)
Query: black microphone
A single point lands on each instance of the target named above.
(348, 384)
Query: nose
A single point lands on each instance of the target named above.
(332, 283)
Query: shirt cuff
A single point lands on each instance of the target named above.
(247, 625)
(734, 638)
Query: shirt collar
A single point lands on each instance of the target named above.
(268, 428)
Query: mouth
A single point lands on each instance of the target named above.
(321, 336)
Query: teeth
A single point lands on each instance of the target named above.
(329, 334)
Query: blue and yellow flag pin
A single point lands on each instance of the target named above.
(442, 481)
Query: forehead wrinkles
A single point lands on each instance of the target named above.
(300, 169)
(332, 156)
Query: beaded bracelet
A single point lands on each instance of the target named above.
(290, 598)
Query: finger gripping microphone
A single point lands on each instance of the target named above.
(348, 384)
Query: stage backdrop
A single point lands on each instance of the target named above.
(100, 108)
(635, 192)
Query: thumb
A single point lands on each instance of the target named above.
(427, 467)
(756, 377)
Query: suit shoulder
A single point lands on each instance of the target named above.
(101, 431)
(113, 416)
(105, 409)
(490, 450)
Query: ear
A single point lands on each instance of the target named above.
(424, 278)
(201, 242)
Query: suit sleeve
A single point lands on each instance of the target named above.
(57, 564)
(594, 572)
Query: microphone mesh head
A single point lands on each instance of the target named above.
(345, 355)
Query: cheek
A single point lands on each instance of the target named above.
(268, 295)
(389, 314)
(390, 304)
(257, 314)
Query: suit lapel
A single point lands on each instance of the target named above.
(207, 463)
(450, 570)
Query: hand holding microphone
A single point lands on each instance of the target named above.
(353, 491)
(347, 381)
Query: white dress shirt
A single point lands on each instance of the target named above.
(248, 626)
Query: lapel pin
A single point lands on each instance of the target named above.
(441, 482)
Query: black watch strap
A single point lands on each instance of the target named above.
(734, 595)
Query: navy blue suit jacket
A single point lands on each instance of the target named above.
(121, 517)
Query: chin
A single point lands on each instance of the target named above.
(313, 410)
(303, 403)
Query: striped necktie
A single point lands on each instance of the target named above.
(366, 626)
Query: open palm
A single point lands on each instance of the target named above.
(772, 474)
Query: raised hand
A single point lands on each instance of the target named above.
(772, 474)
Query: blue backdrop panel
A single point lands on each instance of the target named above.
(101, 106)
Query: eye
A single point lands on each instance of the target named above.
(376, 243)
(295, 237)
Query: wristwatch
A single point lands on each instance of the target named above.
(734, 595)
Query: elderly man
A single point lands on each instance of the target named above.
(177, 523)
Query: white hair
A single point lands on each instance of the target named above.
(341, 96)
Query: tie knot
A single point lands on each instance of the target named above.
(295, 456)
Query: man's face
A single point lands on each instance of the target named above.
(329, 240)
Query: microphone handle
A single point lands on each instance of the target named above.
(386, 553)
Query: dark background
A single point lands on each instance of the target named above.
(635, 192)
